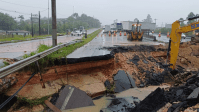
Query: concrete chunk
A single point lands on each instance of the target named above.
(194, 94)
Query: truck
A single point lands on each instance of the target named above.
(127, 26)
(107, 28)
(113, 28)
(119, 27)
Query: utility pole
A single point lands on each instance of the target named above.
(48, 17)
(39, 24)
(54, 23)
(73, 17)
(32, 25)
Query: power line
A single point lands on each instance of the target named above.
(14, 11)
(22, 5)
(44, 10)
(61, 14)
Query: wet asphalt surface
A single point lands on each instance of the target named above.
(93, 48)
(17, 50)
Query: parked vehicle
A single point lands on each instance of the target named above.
(127, 26)
(113, 28)
(107, 28)
(119, 27)
(76, 32)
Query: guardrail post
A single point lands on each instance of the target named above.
(41, 79)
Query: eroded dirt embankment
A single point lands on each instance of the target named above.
(149, 60)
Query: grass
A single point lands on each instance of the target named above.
(31, 103)
(111, 90)
(20, 37)
(5, 64)
(63, 52)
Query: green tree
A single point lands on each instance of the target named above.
(190, 15)
(7, 22)
(181, 22)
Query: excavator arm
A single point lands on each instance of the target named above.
(175, 37)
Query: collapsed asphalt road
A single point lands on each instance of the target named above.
(143, 63)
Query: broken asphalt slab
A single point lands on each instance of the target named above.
(70, 97)
(123, 81)
(152, 102)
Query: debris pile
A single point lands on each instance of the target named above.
(184, 96)
(152, 102)
(7, 82)
(124, 104)
(144, 68)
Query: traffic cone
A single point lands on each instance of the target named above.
(124, 33)
(159, 35)
(167, 34)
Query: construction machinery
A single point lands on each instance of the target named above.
(175, 38)
(135, 33)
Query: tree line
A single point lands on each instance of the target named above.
(8, 23)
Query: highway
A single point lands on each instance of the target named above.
(17, 50)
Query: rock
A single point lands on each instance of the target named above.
(152, 102)
(37, 108)
(176, 107)
(107, 84)
(179, 92)
(135, 60)
(184, 61)
(194, 95)
(124, 104)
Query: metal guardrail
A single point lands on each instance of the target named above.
(20, 64)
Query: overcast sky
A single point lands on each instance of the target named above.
(165, 11)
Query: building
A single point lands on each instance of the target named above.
(2, 32)
(167, 25)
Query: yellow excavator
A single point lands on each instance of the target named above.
(136, 33)
(175, 37)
